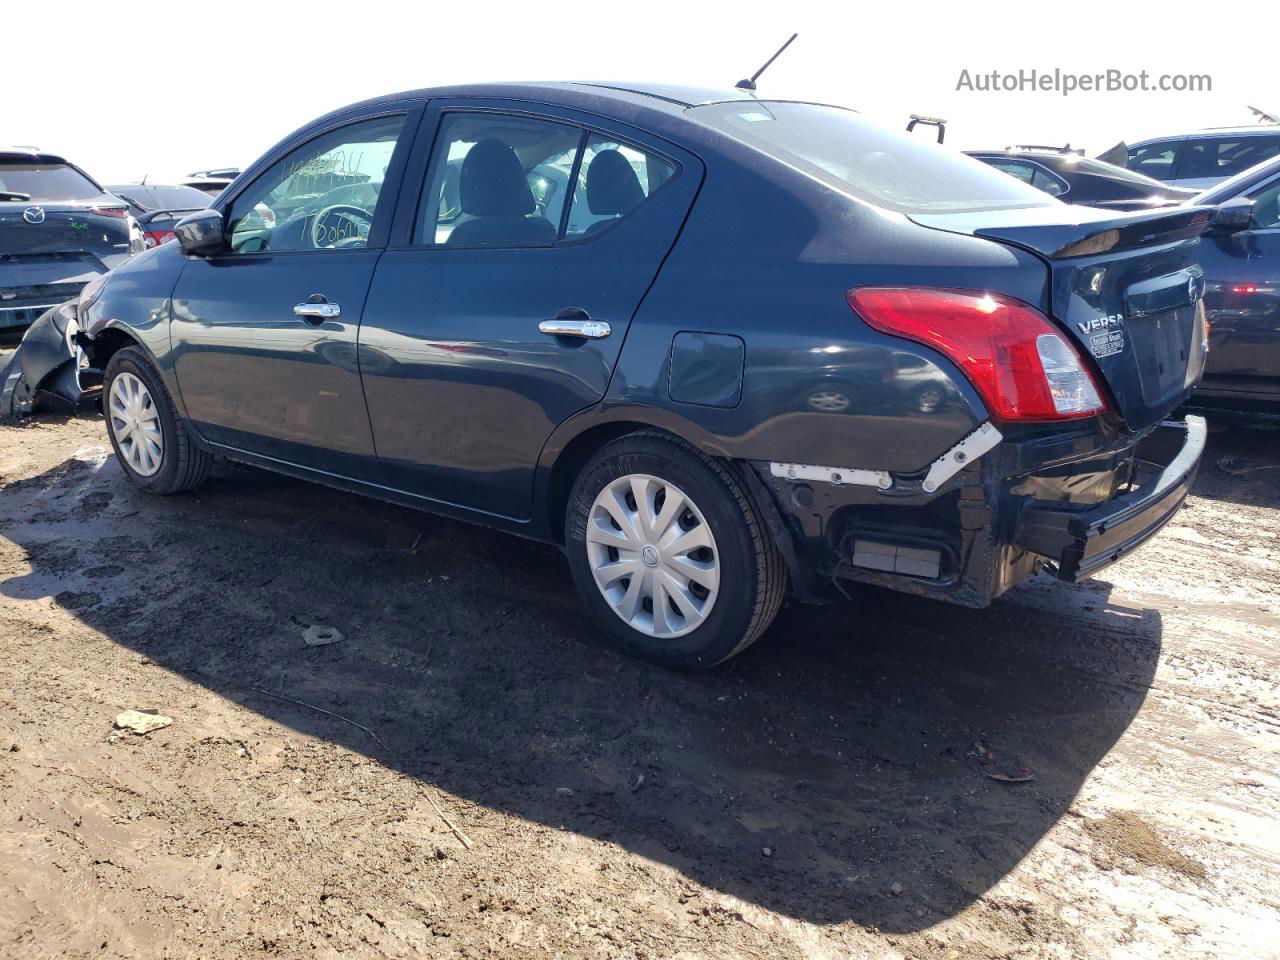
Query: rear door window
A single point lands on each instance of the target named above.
(1220, 157)
(1042, 179)
(1155, 160)
(1014, 168)
(613, 179)
(497, 180)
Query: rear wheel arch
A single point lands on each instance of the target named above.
(570, 460)
(574, 454)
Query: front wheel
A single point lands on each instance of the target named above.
(670, 554)
(150, 441)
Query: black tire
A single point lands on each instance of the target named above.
(16, 400)
(183, 465)
(752, 573)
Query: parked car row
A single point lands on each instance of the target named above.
(60, 228)
(157, 208)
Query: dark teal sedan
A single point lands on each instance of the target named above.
(719, 348)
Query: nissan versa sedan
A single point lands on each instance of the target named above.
(717, 347)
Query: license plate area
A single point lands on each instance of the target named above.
(1162, 345)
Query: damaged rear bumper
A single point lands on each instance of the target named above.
(1079, 543)
(990, 513)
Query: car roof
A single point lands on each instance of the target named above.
(1211, 133)
(1037, 152)
(584, 95)
(30, 154)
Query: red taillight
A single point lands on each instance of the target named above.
(118, 212)
(1245, 288)
(156, 237)
(1016, 359)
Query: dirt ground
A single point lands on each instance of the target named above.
(489, 780)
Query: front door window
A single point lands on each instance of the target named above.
(322, 196)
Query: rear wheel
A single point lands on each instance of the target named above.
(150, 440)
(669, 553)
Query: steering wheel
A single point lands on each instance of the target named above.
(340, 225)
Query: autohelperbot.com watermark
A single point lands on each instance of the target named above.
(1067, 82)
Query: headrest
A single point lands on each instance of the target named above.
(492, 182)
(612, 185)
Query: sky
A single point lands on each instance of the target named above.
(194, 85)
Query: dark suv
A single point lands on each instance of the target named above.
(1204, 159)
(58, 230)
(716, 347)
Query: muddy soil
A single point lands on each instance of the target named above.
(470, 772)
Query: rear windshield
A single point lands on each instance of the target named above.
(884, 167)
(46, 181)
(162, 198)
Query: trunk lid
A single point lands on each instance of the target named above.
(28, 228)
(1126, 287)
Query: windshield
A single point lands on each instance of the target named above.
(161, 198)
(46, 181)
(883, 167)
(1231, 186)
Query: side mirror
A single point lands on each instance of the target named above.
(1231, 216)
(202, 233)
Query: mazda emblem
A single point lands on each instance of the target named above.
(33, 214)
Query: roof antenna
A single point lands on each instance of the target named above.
(751, 84)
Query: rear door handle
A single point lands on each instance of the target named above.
(590, 329)
(317, 309)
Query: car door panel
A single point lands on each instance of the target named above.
(463, 389)
(258, 378)
(254, 374)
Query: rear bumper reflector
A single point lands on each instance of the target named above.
(910, 561)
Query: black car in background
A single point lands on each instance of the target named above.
(158, 207)
(212, 182)
(1242, 292)
(1074, 178)
(59, 229)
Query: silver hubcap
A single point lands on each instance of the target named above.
(653, 555)
(135, 424)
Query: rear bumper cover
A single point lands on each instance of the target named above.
(1079, 542)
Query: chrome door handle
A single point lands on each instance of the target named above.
(590, 329)
(317, 311)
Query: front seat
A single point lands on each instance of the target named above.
(493, 189)
(613, 189)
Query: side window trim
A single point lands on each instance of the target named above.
(379, 236)
(570, 186)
